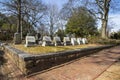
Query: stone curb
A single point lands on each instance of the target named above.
(29, 63)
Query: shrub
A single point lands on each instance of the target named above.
(108, 41)
(93, 39)
(97, 39)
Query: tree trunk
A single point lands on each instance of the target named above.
(51, 30)
(17, 36)
(104, 29)
(105, 18)
(19, 17)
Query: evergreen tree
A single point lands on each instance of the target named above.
(82, 23)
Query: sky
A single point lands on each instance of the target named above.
(59, 3)
(113, 18)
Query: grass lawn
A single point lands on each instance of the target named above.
(47, 49)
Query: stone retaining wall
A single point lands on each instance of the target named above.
(29, 63)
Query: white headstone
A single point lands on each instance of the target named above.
(46, 38)
(84, 40)
(57, 41)
(74, 41)
(46, 41)
(30, 41)
(66, 41)
(79, 40)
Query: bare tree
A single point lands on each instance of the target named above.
(15, 8)
(52, 18)
(34, 10)
(42, 30)
(69, 7)
(30, 10)
(19, 16)
(103, 8)
(67, 10)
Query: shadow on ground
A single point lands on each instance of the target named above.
(107, 57)
(2, 62)
(2, 59)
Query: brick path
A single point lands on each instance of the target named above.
(112, 73)
(93, 67)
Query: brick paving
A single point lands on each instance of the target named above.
(97, 66)
(112, 73)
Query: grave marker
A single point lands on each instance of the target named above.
(66, 41)
(30, 41)
(57, 41)
(84, 40)
(74, 41)
(79, 40)
(47, 41)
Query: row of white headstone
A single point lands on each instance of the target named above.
(76, 41)
(47, 41)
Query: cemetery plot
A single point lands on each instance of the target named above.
(29, 64)
(30, 41)
(57, 41)
(47, 41)
(49, 49)
(74, 41)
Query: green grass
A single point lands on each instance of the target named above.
(48, 49)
